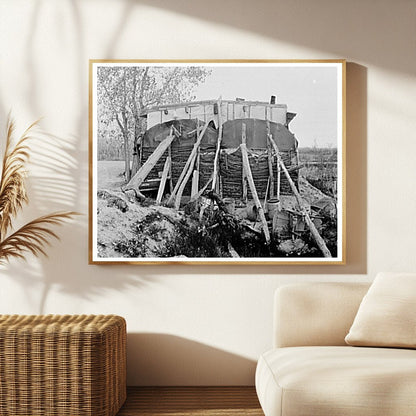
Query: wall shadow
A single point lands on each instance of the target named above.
(356, 168)
(54, 186)
(58, 180)
(169, 360)
(338, 28)
(65, 162)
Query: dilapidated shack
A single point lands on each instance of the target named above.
(240, 150)
(261, 119)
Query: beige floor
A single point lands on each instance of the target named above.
(187, 401)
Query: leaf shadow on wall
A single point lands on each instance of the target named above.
(59, 180)
(333, 27)
(53, 186)
(64, 187)
(164, 359)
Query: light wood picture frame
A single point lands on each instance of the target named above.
(217, 162)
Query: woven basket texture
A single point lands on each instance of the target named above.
(56, 365)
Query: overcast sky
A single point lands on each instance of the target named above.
(311, 92)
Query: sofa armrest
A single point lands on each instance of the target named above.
(309, 314)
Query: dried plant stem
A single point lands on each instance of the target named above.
(34, 236)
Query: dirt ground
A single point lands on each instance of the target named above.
(140, 230)
(121, 220)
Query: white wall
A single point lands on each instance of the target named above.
(204, 324)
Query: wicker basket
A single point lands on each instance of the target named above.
(72, 365)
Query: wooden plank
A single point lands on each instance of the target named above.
(170, 169)
(320, 163)
(195, 183)
(278, 174)
(195, 176)
(142, 173)
(270, 163)
(265, 195)
(217, 152)
(232, 251)
(201, 191)
(162, 185)
(250, 180)
(191, 158)
(184, 182)
(315, 233)
(245, 193)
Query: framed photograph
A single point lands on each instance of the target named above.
(208, 162)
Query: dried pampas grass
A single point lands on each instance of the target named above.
(34, 236)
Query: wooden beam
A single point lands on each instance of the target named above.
(315, 234)
(265, 195)
(195, 182)
(170, 169)
(278, 178)
(244, 180)
(184, 182)
(250, 180)
(217, 152)
(244, 175)
(150, 163)
(320, 163)
(201, 191)
(195, 175)
(278, 168)
(294, 168)
(232, 251)
(162, 184)
(269, 162)
(188, 162)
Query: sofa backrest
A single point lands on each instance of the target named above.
(309, 314)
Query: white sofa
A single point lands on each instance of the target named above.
(311, 371)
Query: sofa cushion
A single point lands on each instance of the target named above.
(315, 314)
(342, 381)
(387, 314)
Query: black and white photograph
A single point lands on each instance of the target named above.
(217, 162)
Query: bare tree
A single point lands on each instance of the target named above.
(124, 91)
